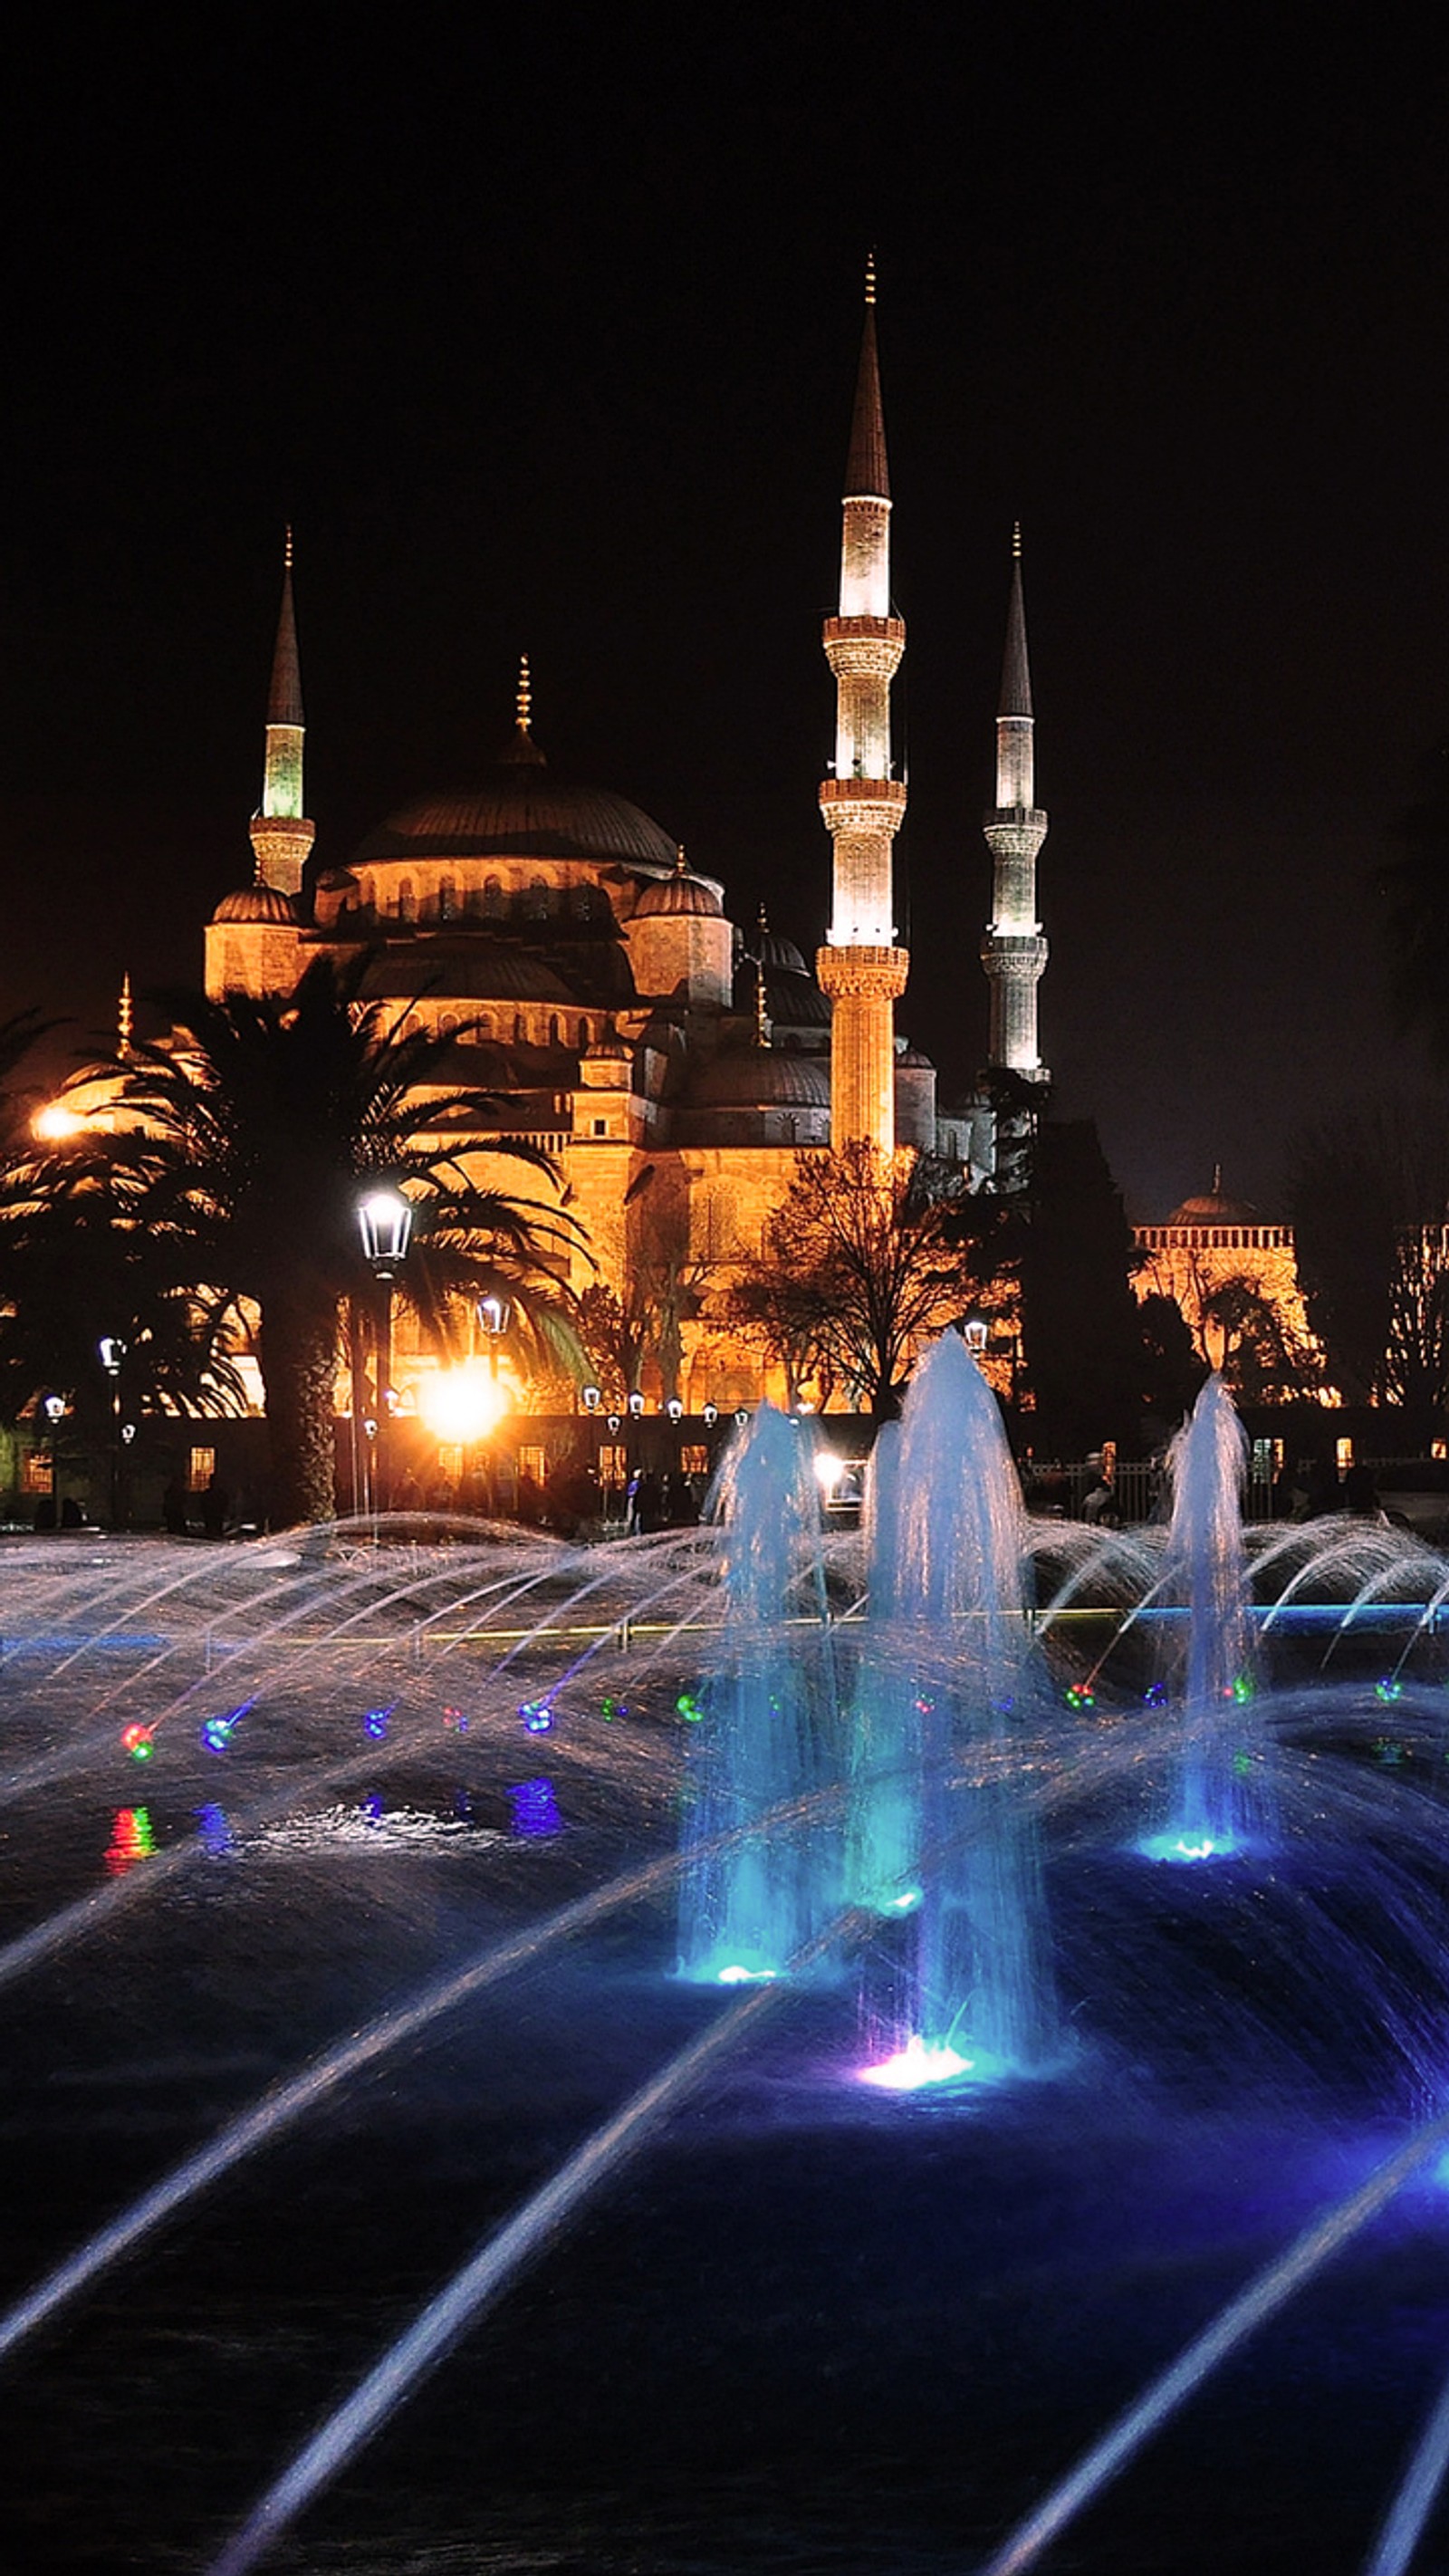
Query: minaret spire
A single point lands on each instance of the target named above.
(523, 752)
(1014, 953)
(125, 1018)
(281, 833)
(860, 968)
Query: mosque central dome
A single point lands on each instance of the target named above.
(522, 811)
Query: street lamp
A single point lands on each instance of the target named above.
(495, 1314)
(54, 1409)
(385, 1224)
(974, 1335)
(111, 1351)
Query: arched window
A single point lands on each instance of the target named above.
(583, 1035)
(448, 900)
(555, 1032)
(520, 1031)
(536, 903)
(406, 901)
(484, 1030)
(492, 899)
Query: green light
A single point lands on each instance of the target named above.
(1242, 1690)
(689, 1708)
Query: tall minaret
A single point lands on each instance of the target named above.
(860, 968)
(1013, 951)
(281, 833)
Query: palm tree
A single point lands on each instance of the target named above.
(258, 1120)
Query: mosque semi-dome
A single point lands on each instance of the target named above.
(762, 1077)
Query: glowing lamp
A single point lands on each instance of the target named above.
(53, 1407)
(111, 1351)
(55, 1123)
(589, 1396)
(636, 1403)
(463, 1404)
(615, 1424)
(973, 1334)
(674, 1409)
(495, 1314)
(829, 1468)
(385, 1223)
(710, 1416)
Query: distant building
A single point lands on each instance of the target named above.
(1210, 1245)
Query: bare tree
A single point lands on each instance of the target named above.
(856, 1271)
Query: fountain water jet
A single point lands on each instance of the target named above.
(765, 1723)
(1219, 1800)
(949, 1841)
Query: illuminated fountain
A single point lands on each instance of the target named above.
(768, 1726)
(940, 1832)
(1219, 1798)
(341, 1902)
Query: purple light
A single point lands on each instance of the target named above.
(535, 1809)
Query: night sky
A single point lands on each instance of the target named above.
(545, 339)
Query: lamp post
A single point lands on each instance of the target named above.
(111, 1351)
(385, 1224)
(54, 1408)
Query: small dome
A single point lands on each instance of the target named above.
(778, 955)
(610, 1050)
(762, 1078)
(258, 903)
(1213, 1208)
(679, 892)
(911, 1060)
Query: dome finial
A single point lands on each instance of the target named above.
(681, 863)
(762, 1013)
(287, 549)
(1217, 1180)
(1016, 540)
(525, 693)
(125, 1017)
(870, 275)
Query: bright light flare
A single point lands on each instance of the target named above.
(919, 2063)
(1188, 1846)
(54, 1123)
(829, 1468)
(463, 1404)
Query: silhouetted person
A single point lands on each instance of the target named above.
(173, 1508)
(71, 1515)
(215, 1504)
(1360, 1494)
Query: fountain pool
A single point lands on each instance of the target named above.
(340, 1916)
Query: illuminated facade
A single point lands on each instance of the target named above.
(1212, 1245)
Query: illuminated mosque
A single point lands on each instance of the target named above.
(670, 1060)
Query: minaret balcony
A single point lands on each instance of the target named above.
(862, 804)
(864, 647)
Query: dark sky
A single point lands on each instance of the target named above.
(545, 338)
